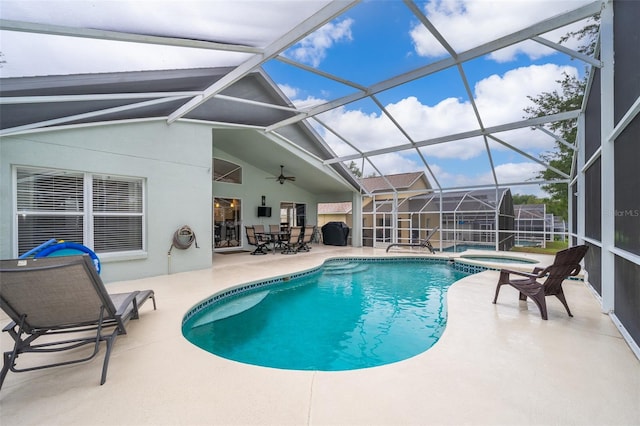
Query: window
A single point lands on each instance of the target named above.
(117, 214)
(105, 213)
(225, 171)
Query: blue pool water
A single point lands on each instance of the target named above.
(347, 315)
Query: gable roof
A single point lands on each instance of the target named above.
(81, 99)
(149, 95)
(334, 208)
(398, 182)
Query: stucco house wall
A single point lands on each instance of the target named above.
(175, 162)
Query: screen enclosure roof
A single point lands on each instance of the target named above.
(372, 87)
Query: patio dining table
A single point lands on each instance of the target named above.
(274, 237)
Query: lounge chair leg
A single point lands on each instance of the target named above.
(539, 300)
(560, 296)
(110, 341)
(504, 279)
(495, 299)
(8, 361)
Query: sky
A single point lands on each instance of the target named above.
(387, 40)
(370, 43)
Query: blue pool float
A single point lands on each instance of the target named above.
(69, 249)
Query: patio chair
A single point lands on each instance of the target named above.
(565, 265)
(63, 301)
(422, 244)
(276, 234)
(305, 240)
(290, 246)
(256, 240)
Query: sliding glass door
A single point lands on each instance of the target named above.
(227, 223)
(293, 214)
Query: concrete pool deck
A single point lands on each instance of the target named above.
(495, 365)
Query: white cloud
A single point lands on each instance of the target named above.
(313, 48)
(244, 22)
(38, 54)
(503, 98)
(517, 172)
(489, 20)
(500, 99)
(289, 92)
(505, 173)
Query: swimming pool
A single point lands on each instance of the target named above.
(347, 314)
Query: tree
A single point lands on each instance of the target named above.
(527, 199)
(354, 169)
(548, 103)
(569, 98)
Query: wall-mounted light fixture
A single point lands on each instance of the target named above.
(264, 200)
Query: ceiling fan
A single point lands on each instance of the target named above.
(282, 178)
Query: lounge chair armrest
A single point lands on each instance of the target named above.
(10, 326)
(523, 274)
(128, 301)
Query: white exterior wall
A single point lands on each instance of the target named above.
(175, 160)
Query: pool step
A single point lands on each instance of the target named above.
(338, 268)
(233, 307)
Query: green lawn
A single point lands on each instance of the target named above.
(552, 248)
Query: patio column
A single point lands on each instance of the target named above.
(581, 203)
(356, 220)
(607, 156)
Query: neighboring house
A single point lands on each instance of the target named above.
(382, 208)
(335, 212)
(468, 218)
(464, 217)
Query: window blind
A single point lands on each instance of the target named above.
(56, 204)
(117, 214)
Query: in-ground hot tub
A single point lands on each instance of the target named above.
(498, 258)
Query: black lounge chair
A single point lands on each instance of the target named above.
(256, 240)
(422, 244)
(565, 265)
(53, 297)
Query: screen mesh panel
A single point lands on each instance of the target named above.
(627, 188)
(626, 40)
(592, 117)
(593, 265)
(593, 212)
(627, 290)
